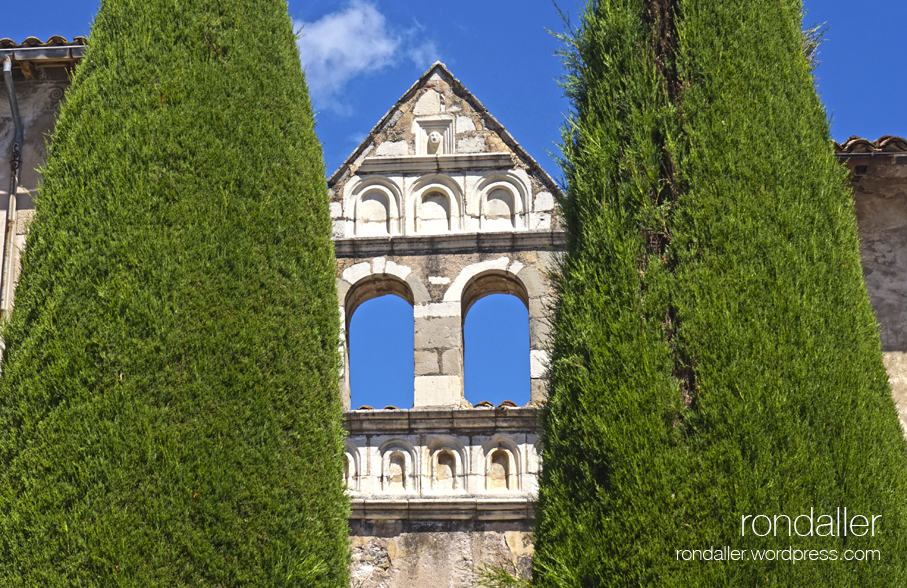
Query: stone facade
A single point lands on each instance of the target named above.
(436, 492)
(440, 206)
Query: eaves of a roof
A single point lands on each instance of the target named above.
(56, 50)
(31, 42)
(883, 145)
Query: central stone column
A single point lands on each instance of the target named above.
(438, 354)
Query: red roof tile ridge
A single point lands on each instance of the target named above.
(54, 41)
(884, 144)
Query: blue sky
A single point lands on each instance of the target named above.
(361, 55)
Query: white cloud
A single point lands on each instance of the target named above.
(423, 55)
(355, 40)
(356, 138)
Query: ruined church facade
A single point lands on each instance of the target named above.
(440, 206)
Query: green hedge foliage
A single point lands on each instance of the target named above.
(714, 351)
(169, 407)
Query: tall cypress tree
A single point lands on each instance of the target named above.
(169, 407)
(714, 353)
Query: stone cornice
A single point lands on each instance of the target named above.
(443, 420)
(438, 509)
(450, 243)
(435, 163)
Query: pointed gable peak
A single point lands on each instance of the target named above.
(438, 117)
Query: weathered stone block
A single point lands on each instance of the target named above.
(437, 333)
(451, 363)
(536, 285)
(538, 307)
(356, 272)
(539, 332)
(896, 366)
(437, 309)
(538, 390)
(539, 221)
(544, 202)
(428, 103)
(426, 362)
(471, 145)
(420, 292)
(392, 149)
(538, 363)
(342, 288)
(438, 391)
(464, 123)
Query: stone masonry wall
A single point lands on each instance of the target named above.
(880, 195)
(394, 554)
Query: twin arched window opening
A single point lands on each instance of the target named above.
(495, 345)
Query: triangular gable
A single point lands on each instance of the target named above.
(486, 135)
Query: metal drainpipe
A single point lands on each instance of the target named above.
(15, 165)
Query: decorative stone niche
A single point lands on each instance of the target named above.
(374, 214)
(503, 202)
(395, 476)
(434, 135)
(433, 215)
(448, 465)
(397, 470)
(351, 472)
(500, 212)
(376, 208)
(444, 477)
(437, 204)
(500, 471)
(426, 455)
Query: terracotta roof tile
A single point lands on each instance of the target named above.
(55, 41)
(885, 144)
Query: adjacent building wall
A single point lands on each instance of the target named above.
(879, 180)
(39, 103)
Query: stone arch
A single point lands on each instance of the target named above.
(371, 287)
(435, 196)
(495, 276)
(364, 289)
(375, 201)
(491, 281)
(362, 282)
(503, 196)
(448, 464)
(353, 472)
(502, 465)
(454, 292)
(510, 357)
(398, 463)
